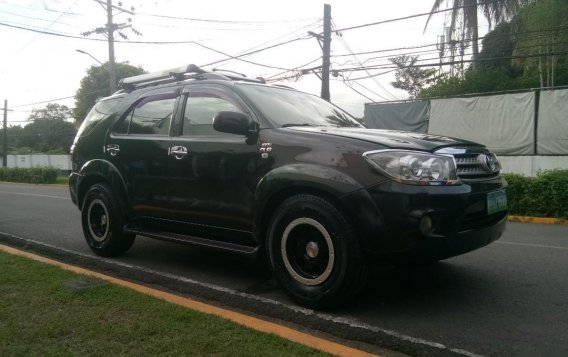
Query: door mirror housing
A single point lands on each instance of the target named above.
(234, 123)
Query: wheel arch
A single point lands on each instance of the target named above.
(325, 182)
(101, 171)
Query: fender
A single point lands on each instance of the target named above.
(300, 176)
(100, 170)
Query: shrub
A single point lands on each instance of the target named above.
(40, 174)
(545, 195)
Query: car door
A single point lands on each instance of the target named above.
(212, 174)
(138, 147)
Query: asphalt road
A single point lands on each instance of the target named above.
(507, 299)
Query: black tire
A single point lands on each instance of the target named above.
(103, 222)
(314, 252)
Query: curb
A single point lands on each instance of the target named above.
(242, 319)
(361, 336)
(538, 220)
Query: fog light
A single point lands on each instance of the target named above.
(426, 225)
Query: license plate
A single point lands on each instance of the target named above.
(496, 201)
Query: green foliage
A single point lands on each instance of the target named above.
(96, 85)
(497, 49)
(38, 174)
(49, 132)
(52, 111)
(531, 51)
(542, 38)
(409, 77)
(545, 195)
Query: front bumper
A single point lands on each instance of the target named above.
(388, 219)
(73, 179)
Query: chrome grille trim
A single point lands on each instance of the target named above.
(473, 163)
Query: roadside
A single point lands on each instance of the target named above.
(47, 310)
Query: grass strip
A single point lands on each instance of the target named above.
(47, 311)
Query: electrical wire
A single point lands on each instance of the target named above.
(171, 17)
(344, 43)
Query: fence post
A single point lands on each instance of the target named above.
(536, 108)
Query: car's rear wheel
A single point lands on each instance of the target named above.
(314, 252)
(103, 222)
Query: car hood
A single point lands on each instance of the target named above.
(390, 138)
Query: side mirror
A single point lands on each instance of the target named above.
(233, 123)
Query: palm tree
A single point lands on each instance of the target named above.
(496, 11)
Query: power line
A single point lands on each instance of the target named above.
(47, 27)
(222, 21)
(42, 102)
(257, 51)
(33, 18)
(344, 43)
(414, 16)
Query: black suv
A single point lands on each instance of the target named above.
(228, 162)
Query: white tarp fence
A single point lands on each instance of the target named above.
(504, 123)
(552, 129)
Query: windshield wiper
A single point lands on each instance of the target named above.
(290, 125)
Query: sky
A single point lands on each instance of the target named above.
(36, 69)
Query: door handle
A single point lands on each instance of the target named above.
(112, 149)
(178, 152)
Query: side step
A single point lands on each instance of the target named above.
(185, 239)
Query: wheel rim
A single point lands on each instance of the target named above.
(98, 220)
(307, 251)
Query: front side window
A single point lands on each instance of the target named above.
(200, 109)
(150, 116)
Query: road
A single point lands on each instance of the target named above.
(507, 299)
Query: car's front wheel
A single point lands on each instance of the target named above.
(314, 252)
(103, 222)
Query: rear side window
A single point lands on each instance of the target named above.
(101, 110)
(150, 116)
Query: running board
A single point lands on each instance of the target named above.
(185, 239)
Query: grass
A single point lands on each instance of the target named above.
(62, 180)
(51, 312)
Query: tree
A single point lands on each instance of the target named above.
(409, 77)
(49, 132)
(52, 111)
(542, 40)
(497, 48)
(96, 85)
(496, 12)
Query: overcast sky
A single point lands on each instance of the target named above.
(39, 67)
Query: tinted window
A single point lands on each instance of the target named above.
(200, 109)
(101, 110)
(151, 115)
(285, 107)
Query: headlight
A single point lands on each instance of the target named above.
(416, 168)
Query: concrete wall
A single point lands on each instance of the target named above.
(62, 162)
(531, 165)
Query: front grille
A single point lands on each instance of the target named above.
(472, 166)
(474, 163)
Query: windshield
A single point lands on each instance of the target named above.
(285, 107)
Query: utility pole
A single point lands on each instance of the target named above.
(108, 31)
(326, 48)
(110, 36)
(5, 136)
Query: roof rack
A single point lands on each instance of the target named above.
(180, 74)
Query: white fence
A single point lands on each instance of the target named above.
(525, 165)
(62, 162)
